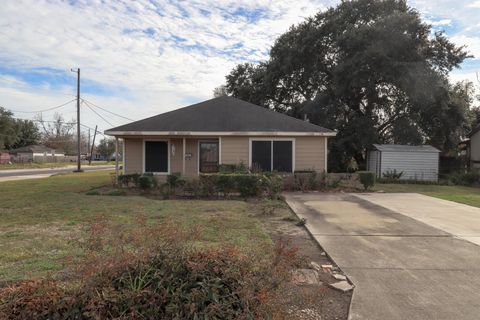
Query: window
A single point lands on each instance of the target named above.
(156, 156)
(272, 155)
(208, 156)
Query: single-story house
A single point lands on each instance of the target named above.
(224, 130)
(36, 153)
(474, 149)
(416, 162)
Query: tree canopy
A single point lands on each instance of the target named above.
(16, 133)
(372, 70)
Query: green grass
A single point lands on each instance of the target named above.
(43, 165)
(41, 220)
(466, 195)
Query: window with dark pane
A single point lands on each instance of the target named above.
(208, 156)
(282, 156)
(262, 155)
(156, 156)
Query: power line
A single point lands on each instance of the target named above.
(116, 114)
(86, 103)
(44, 110)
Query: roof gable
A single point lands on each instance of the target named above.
(223, 114)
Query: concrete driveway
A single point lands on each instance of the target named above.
(402, 268)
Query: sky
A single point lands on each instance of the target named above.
(141, 58)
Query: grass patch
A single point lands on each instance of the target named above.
(461, 194)
(41, 220)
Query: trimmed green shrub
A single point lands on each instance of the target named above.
(147, 182)
(175, 180)
(464, 178)
(208, 184)
(247, 184)
(124, 180)
(225, 184)
(367, 179)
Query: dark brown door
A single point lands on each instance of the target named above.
(208, 156)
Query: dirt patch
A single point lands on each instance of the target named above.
(305, 301)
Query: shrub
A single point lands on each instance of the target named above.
(225, 184)
(93, 192)
(125, 180)
(116, 192)
(175, 180)
(367, 179)
(305, 180)
(392, 175)
(247, 185)
(208, 184)
(465, 178)
(192, 187)
(146, 182)
(272, 185)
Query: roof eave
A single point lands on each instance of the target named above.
(218, 133)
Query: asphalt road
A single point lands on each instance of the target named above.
(20, 174)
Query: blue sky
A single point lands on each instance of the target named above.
(140, 58)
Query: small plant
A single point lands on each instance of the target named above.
(464, 178)
(175, 180)
(269, 207)
(367, 179)
(226, 184)
(305, 180)
(192, 187)
(392, 175)
(247, 185)
(301, 222)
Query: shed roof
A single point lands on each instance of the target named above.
(404, 148)
(223, 114)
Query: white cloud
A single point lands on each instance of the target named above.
(130, 47)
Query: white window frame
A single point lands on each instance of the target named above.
(218, 141)
(168, 156)
(250, 140)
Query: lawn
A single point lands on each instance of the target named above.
(42, 165)
(42, 220)
(466, 195)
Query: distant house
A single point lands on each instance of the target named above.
(416, 162)
(473, 151)
(36, 153)
(4, 157)
(224, 130)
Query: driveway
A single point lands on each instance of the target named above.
(23, 174)
(402, 267)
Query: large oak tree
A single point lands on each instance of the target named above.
(372, 70)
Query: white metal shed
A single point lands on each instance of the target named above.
(416, 162)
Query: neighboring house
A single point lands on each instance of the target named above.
(416, 162)
(224, 130)
(36, 153)
(474, 149)
(4, 157)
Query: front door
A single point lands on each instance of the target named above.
(208, 156)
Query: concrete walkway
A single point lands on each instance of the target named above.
(460, 220)
(402, 268)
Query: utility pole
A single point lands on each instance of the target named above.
(93, 145)
(79, 165)
(88, 143)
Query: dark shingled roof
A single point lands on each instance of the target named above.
(222, 114)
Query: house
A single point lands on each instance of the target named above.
(4, 157)
(225, 130)
(36, 153)
(473, 152)
(416, 162)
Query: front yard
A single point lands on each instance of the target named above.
(43, 165)
(465, 195)
(41, 220)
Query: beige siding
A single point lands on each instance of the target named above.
(133, 155)
(310, 153)
(235, 150)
